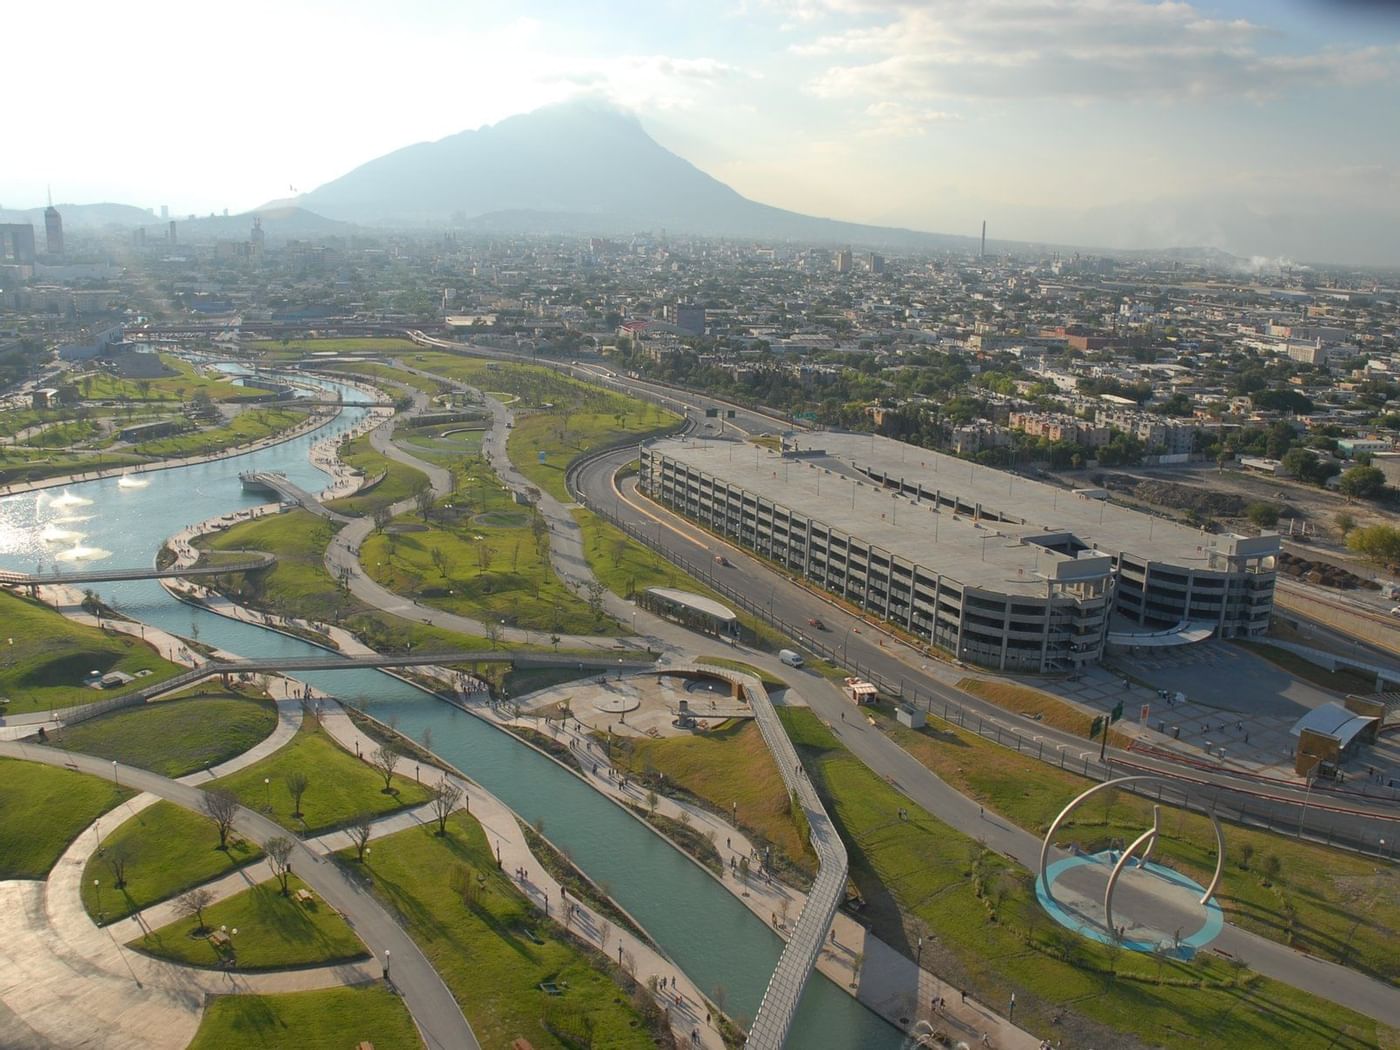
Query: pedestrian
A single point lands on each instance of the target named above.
(964, 996)
(1011, 1013)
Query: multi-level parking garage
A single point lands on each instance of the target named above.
(1001, 570)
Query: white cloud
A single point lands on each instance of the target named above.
(1068, 49)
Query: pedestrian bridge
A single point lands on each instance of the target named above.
(279, 485)
(251, 562)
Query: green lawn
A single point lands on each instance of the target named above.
(376, 370)
(168, 849)
(274, 932)
(251, 425)
(181, 386)
(63, 435)
(985, 932)
(561, 437)
(44, 810)
(299, 585)
(29, 464)
(724, 766)
(399, 483)
(331, 1019)
(1330, 903)
(481, 555)
(175, 737)
(483, 953)
(341, 786)
(51, 657)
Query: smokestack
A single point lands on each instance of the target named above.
(984, 239)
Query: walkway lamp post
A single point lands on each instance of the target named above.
(114, 772)
(97, 887)
(386, 964)
(267, 793)
(919, 952)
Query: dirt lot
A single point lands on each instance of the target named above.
(1224, 497)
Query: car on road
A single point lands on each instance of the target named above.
(815, 621)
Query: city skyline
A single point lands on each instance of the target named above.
(1126, 125)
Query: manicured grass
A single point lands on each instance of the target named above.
(485, 557)
(174, 737)
(1327, 902)
(331, 1019)
(299, 585)
(63, 435)
(168, 849)
(399, 483)
(560, 439)
(46, 667)
(243, 429)
(986, 932)
(1032, 702)
(181, 386)
(375, 370)
(768, 680)
(44, 810)
(482, 952)
(28, 464)
(274, 932)
(342, 786)
(719, 768)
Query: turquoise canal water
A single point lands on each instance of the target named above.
(698, 923)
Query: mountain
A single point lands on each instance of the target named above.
(279, 222)
(82, 216)
(578, 167)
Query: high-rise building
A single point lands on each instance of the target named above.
(877, 263)
(257, 239)
(17, 243)
(843, 261)
(690, 319)
(164, 212)
(53, 230)
(172, 237)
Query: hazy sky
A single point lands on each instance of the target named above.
(1127, 119)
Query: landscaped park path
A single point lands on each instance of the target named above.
(436, 1013)
(686, 1008)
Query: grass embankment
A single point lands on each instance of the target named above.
(275, 932)
(481, 554)
(625, 567)
(167, 850)
(985, 931)
(183, 382)
(1342, 681)
(65, 434)
(399, 483)
(444, 445)
(342, 787)
(1326, 902)
(333, 345)
(376, 370)
(25, 464)
(45, 809)
(1043, 707)
(299, 585)
(174, 737)
(718, 769)
(332, 1019)
(493, 951)
(249, 426)
(51, 657)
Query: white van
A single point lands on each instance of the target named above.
(792, 659)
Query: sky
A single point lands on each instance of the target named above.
(1115, 122)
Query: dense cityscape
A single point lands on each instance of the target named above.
(804, 525)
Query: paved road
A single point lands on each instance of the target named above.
(438, 1017)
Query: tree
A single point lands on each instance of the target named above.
(1264, 515)
(1363, 483)
(360, 830)
(382, 517)
(652, 800)
(1346, 521)
(117, 857)
(445, 796)
(297, 783)
(220, 805)
(1271, 867)
(595, 597)
(193, 902)
(1379, 543)
(385, 759)
(279, 854)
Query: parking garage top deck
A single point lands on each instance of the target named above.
(1001, 538)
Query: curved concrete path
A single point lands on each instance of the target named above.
(436, 1013)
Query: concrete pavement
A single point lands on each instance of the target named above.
(434, 1010)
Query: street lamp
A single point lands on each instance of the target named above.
(919, 952)
(97, 887)
(114, 772)
(267, 793)
(386, 964)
